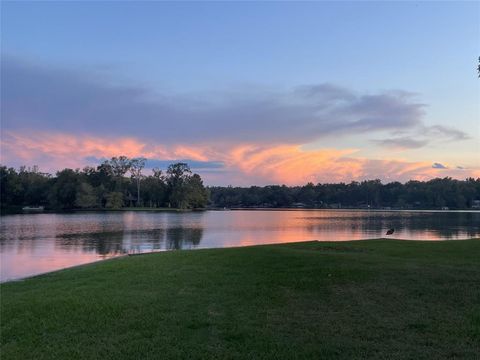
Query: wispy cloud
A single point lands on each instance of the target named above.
(420, 136)
(445, 133)
(401, 143)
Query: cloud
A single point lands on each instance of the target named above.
(240, 164)
(63, 118)
(58, 149)
(421, 136)
(439, 166)
(292, 165)
(401, 143)
(445, 133)
(45, 98)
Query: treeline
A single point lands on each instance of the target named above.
(120, 182)
(115, 183)
(433, 194)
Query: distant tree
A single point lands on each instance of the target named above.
(158, 174)
(101, 195)
(11, 188)
(197, 195)
(102, 174)
(154, 188)
(116, 168)
(307, 194)
(178, 173)
(136, 167)
(64, 190)
(119, 165)
(86, 197)
(35, 185)
(114, 200)
(107, 186)
(177, 178)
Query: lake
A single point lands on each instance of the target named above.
(32, 244)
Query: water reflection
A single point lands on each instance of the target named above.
(408, 225)
(36, 243)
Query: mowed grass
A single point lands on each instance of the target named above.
(375, 299)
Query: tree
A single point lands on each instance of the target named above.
(177, 178)
(306, 194)
(117, 168)
(114, 200)
(64, 191)
(11, 189)
(119, 165)
(197, 195)
(154, 189)
(86, 197)
(136, 166)
(158, 174)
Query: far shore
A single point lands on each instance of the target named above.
(18, 210)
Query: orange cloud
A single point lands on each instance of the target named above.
(243, 164)
(68, 149)
(290, 164)
(59, 150)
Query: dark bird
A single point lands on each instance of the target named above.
(390, 231)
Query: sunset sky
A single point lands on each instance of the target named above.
(249, 93)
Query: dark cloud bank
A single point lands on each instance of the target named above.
(50, 99)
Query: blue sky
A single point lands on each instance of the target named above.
(210, 45)
(231, 54)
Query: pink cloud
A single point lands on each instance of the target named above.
(243, 164)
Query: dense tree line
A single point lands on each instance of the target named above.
(433, 194)
(119, 182)
(116, 183)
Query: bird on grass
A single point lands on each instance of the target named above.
(390, 231)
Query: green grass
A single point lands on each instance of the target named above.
(375, 299)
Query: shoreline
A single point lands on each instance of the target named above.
(228, 247)
(152, 210)
(8, 281)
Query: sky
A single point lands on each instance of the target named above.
(247, 93)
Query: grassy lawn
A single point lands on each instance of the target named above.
(381, 299)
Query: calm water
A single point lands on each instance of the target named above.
(37, 243)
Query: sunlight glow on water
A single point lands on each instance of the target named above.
(36, 243)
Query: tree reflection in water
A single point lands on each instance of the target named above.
(414, 224)
(180, 238)
(131, 241)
